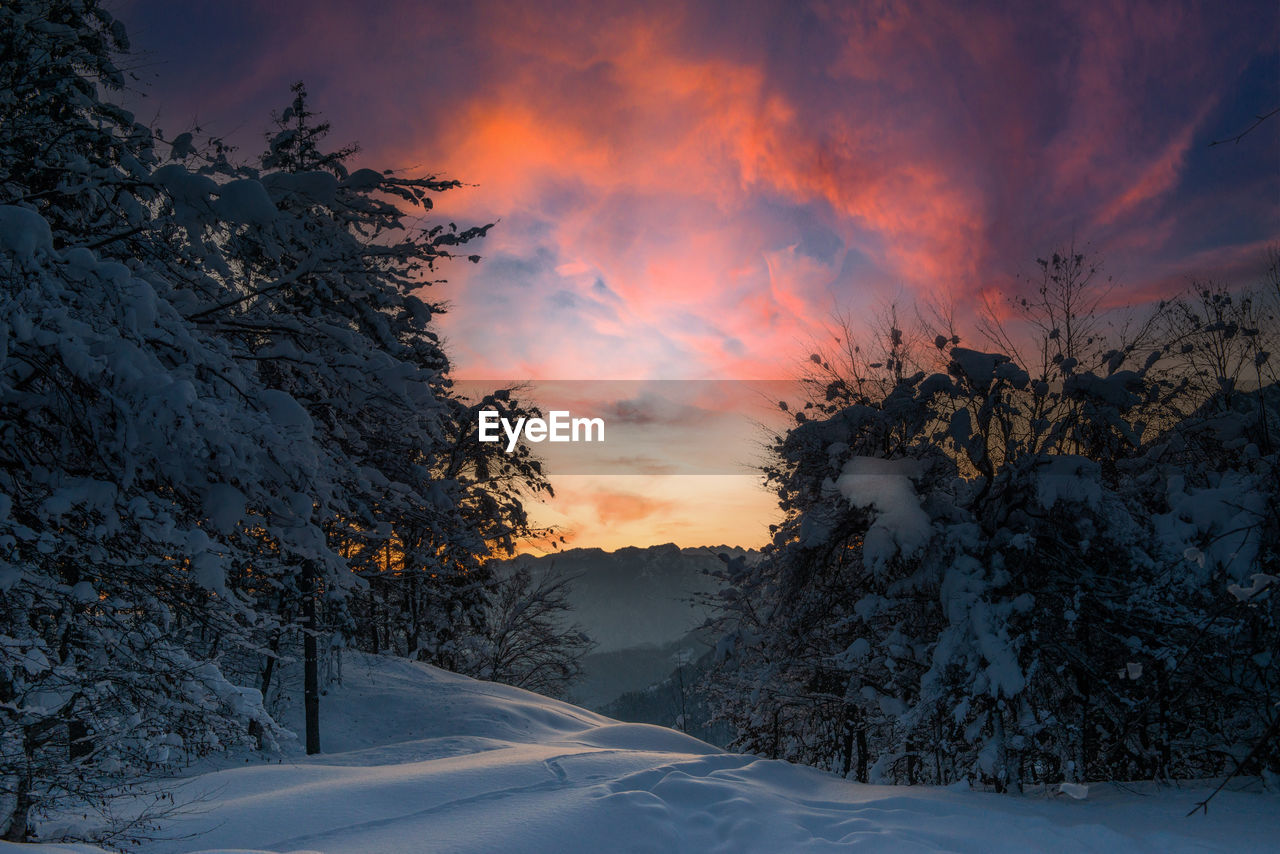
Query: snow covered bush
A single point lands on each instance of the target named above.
(1017, 569)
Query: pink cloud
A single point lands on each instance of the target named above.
(690, 190)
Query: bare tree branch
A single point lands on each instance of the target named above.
(1257, 120)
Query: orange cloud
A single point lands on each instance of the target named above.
(690, 190)
(614, 507)
(691, 511)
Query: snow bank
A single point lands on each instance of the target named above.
(425, 760)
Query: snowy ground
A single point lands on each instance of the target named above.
(420, 760)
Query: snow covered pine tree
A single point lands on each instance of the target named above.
(115, 425)
(217, 385)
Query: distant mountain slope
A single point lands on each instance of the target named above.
(642, 607)
(608, 675)
(636, 596)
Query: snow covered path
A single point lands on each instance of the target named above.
(427, 761)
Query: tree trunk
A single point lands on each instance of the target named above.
(862, 754)
(1002, 757)
(846, 749)
(412, 636)
(1166, 747)
(310, 660)
(388, 626)
(937, 752)
(17, 830)
(1084, 686)
(268, 671)
(20, 818)
(776, 751)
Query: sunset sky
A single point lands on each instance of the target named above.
(690, 191)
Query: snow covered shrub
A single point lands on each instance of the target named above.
(1011, 572)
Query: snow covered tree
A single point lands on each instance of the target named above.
(114, 427)
(815, 658)
(218, 383)
(114, 430)
(429, 587)
(984, 574)
(68, 152)
(322, 283)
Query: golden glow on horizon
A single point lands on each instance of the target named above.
(609, 513)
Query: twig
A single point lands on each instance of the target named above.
(1257, 120)
(1240, 763)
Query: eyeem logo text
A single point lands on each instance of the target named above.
(557, 427)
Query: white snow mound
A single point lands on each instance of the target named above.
(421, 760)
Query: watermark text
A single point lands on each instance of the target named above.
(558, 426)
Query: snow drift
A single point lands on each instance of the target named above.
(424, 760)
